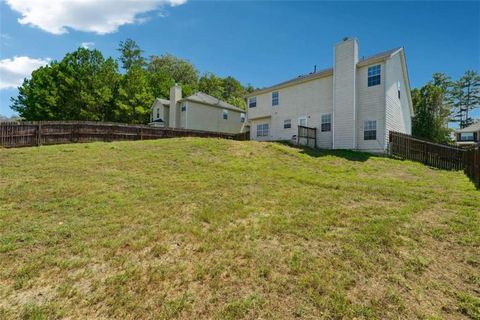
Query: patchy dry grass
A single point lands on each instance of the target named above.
(206, 228)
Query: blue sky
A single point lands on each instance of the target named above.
(260, 43)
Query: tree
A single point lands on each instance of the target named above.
(135, 97)
(130, 54)
(212, 85)
(431, 114)
(181, 71)
(465, 97)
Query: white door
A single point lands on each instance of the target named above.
(302, 121)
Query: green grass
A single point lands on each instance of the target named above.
(206, 228)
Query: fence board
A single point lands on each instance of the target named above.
(436, 155)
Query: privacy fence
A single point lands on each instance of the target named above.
(436, 155)
(24, 134)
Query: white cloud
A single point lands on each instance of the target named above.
(13, 71)
(98, 16)
(87, 45)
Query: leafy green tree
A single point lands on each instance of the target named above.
(212, 85)
(160, 83)
(181, 71)
(82, 86)
(431, 114)
(37, 97)
(135, 97)
(130, 54)
(465, 97)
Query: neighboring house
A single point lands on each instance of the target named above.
(353, 105)
(197, 112)
(469, 135)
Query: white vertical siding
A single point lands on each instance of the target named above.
(344, 94)
(398, 115)
(370, 106)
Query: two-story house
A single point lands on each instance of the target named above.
(469, 135)
(352, 105)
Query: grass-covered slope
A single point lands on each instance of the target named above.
(207, 228)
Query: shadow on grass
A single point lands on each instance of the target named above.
(346, 154)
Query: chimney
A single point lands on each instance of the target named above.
(344, 94)
(175, 96)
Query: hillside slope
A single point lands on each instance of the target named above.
(206, 228)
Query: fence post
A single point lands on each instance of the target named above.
(39, 134)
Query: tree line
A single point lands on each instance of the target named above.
(442, 101)
(85, 85)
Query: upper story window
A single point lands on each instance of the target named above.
(275, 98)
(262, 130)
(158, 113)
(374, 75)
(326, 122)
(398, 89)
(252, 102)
(225, 114)
(242, 117)
(370, 130)
(287, 124)
(466, 136)
(184, 107)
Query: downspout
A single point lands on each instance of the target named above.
(385, 138)
(333, 100)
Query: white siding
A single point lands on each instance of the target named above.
(398, 115)
(370, 106)
(309, 99)
(253, 129)
(344, 94)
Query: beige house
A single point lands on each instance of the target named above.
(469, 135)
(197, 112)
(352, 105)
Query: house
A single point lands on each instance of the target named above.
(352, 105)
(199, 111)
(469, 135)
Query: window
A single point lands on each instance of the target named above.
(158, 113)
(370, 130)
(398, 89)
(302, 121)
(242, 117)
(275, 98)
(262, 130)
(184, 107)
(287, 124)
(252, 102)
(374, 75)
(466, 136)
(225, 114)
(326, 122)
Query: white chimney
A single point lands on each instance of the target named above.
(344, 93)
(174, 115)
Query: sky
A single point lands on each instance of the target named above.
(258, 42)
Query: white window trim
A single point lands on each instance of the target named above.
(331, 121)
(303, 118)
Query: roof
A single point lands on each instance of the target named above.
(326, 72)
(471, 128)
(211, 101)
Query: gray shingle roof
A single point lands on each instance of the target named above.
(208, 99)
(471, 128)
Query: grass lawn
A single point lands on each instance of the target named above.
(206, 228)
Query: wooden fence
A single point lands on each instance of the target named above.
(307, 135)
(436, 155)
(24, 134)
